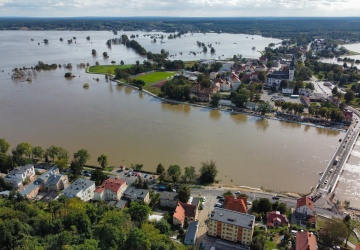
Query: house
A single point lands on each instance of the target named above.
(226, 66)
(136, 194)
(111, 189)
(225, 86)
(213, 75)
(203, 95)
(348, 115)
(305, 91)
(305, 241)
(231, 225)
(50, 180)
(237, 204)
(274, 79)
(81, 188)
(118, 204)
(185, 213)
(305, 210)
(287, 91)
(18, 175)
(275, 219)
(191, 232)
(235, 81)
(169, 199)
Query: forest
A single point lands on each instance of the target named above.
(344, 28)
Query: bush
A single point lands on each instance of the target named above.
(86, 86)
(68, 74)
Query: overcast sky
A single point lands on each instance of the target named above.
(181, 8)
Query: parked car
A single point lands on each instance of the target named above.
(219, 197)
(237, 192)
(249, 203)
(145, 176)
(326, 182)
(275, 197)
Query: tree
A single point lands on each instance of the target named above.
(76, 167)
(208, 172)
(139, 212)
(23, 148)
(98, 176)
(190, 174)
(350, 225)
(37, 152)
(4, 146)
(283, 84)
(263, 205)
(333, 232)
(335, 90)
(349, 96)
(262, 76)
(160, 169)
(174, 171)
(137, 240)
(215, 99)
(264, 107)
(103, 161)
(81, 156)
(138, 83)
(163, 226)
(184, 193)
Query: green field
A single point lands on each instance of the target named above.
(106, 69)
(154, 77)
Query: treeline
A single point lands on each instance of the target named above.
(177, 88)
(75, 225)
(297, 29)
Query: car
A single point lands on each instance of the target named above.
(275, 197)
(249, 203)
(221, 200)
(136, 174)
(204, 199)
(326, 182)
(145, 176)
(237, 192)
(219, 197)
(218, 205)
(331, 170)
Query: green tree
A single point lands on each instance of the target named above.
(184, 193)
(215, 99)
(208, 172)
(139, 212)
(349, 96)
(163, 226)
(174, 171)
(98, 176)
(333, 232)
(76, 167)
(264, 107)
(81, 156)
(262, 76)
(138, 83)
(37, 152)
(137, 240)
(335, 90)
(22, 149)
(103, 161)
(190, 174)
(350, 225)
(160, 169)
(4, 146)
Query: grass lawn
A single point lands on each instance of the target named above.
(190, 63)
(107, 69)
(154, 77)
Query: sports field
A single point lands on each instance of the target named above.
(107, 69)
(154, 77)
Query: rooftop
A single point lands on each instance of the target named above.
(113, 184)
(305, 201)
(305, 241)
(77, 186)
(135, 193)
(191, 232)
(169, 196)
(234, 218)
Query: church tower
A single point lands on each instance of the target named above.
(292, 69)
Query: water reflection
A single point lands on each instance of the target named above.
(306, 128)
(327, 131)
(290, 124)
(128, 90)
(175, 108)
(120, 88)
(141, 95)
(262, 124)
(239, 118)
(215, 114)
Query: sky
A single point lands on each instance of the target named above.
(180, 8)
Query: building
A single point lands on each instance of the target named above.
(190, 237)
(18, 175)
(185, 213)
(135, 194)
(305, 210)
(237, 204)
(110, 190)
(274, 79)
(275, 219)
(305, 241)
(169, 199)
(231, 225)
(235, 81)
(81, 188)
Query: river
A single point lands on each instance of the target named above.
(132, 127)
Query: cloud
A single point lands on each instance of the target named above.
(180, 8)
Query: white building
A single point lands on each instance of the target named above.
(18, 175)
(110, 190)
(274, 79)
(235, 81)
(82, 188)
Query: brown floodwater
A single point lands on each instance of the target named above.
(132, 127)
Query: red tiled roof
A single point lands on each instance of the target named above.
(271, 217)
(113, 184)
(357, 247)
(179, 213)
(237, 204)
(190, 210)
(305, 241)
(305, 201)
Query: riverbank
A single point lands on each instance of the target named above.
(230, 110)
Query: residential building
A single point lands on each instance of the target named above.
(110, 190)
(274, 79)
(81, 188)
(305, 241)
(287, 91)
(225, 86)
(190, 237)
(305, 210)
(275, 219)
(305, 91)
(213, 75)
(237, 204)
(231, 225)
(18, 175)
(235, 81)
(185, 213)
(169, 199)
(135, 194)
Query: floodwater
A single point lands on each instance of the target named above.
(132, 127)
